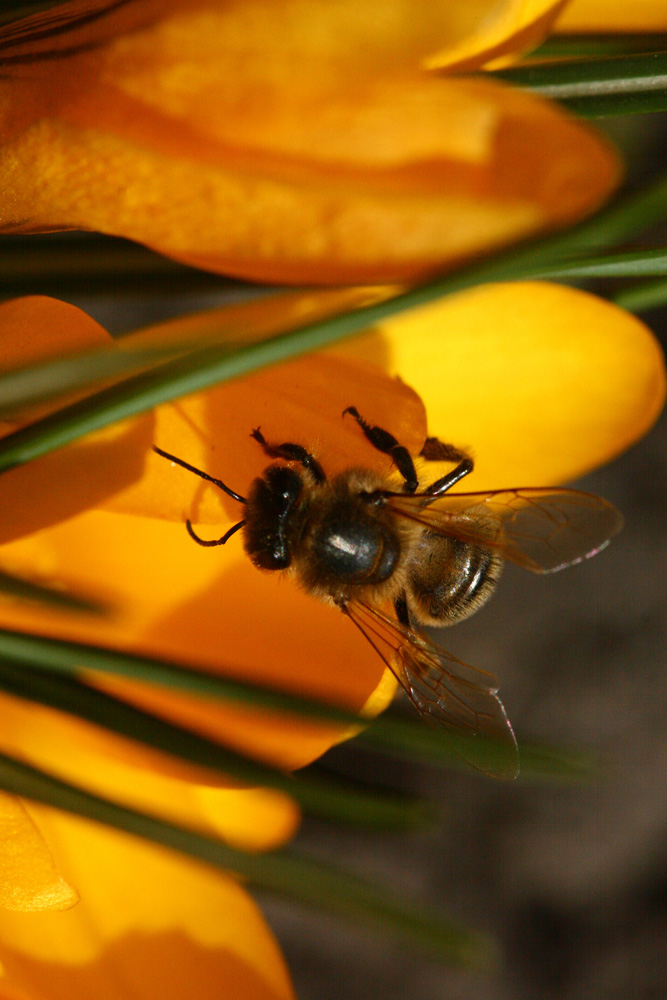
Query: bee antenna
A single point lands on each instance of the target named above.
(214, 541)
(203, 475)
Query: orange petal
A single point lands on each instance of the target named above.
(211, 431)
(206, 607)
(149, 925)
(348, 39)
(90, 471)
(29, 880)
(600, 15)
(177, 137)
(542, 382)
(35, 329)
(121, 770)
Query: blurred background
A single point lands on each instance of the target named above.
(570, 879)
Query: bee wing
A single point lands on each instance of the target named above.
(543, 530)
(444, 690)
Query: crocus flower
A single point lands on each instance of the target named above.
(321, 142)
(541, 382)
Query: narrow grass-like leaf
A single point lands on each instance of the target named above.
(411, 738)
(27, 590)
(591, 45)
(211, 365)
(617, 85)
(331, 799)
(78, 371)
(636, 264)
(647, 295)
(286, 873)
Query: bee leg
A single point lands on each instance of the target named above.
(435, 450)
(388, 445)
(291, 453)
(441, 486)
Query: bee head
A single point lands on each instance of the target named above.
(270, 525)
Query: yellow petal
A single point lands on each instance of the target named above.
(601, 15)
(29, 880)
(149, 925)
(541, 382)
(513, 27)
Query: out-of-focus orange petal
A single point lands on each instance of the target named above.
(208, 607)
(143, 779)
(149, 925)
(35, 328)
(203, 142)
(601, 15)
(511, 28)
(542, 382)
(346, 39)
(29, 880)
(61, 484)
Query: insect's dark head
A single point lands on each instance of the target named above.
(271, 525)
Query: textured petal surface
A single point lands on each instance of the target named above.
(149, 925)
(29, 880)
(195, 135)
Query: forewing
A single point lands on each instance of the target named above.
(445, 691)
(543, 530)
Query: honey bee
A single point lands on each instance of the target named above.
(394, 560)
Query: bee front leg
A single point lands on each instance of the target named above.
(291, 453)
(388, 445)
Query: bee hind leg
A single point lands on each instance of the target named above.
(445, 483)
(435, 450)
(291, 453)
(388, 445)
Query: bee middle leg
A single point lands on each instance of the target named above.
(388, 445)
(291, 453)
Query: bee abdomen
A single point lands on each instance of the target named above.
(448, 580)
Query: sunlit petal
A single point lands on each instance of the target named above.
(542, 382)
(149, 925)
